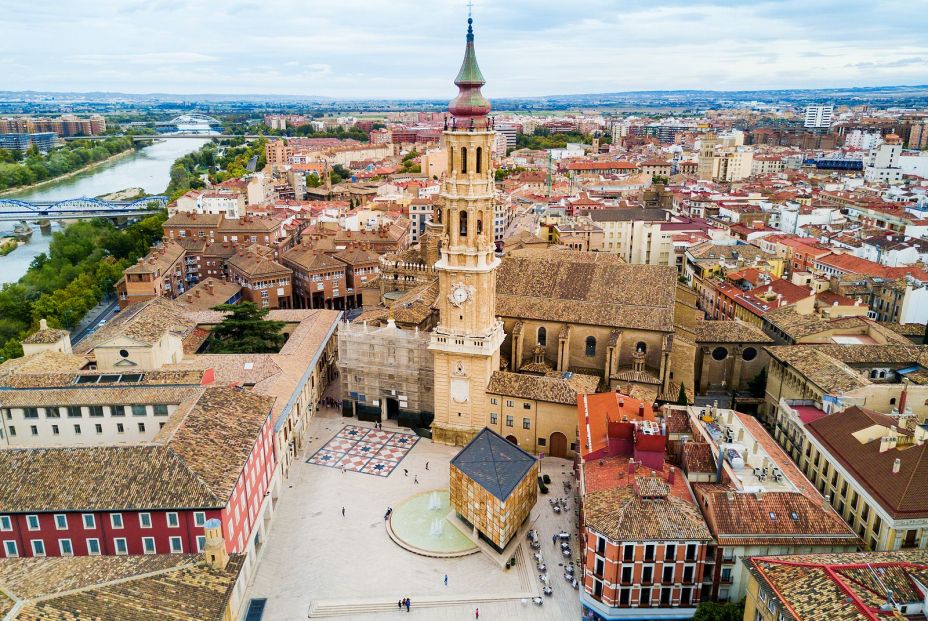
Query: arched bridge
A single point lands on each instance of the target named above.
(13, 210)
(193, 119)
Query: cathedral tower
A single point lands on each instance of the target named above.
(466, 342)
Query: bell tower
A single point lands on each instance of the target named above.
(465, 344)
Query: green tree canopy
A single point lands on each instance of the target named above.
(245, 330)
(712, 611)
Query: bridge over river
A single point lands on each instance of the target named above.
(15, 210)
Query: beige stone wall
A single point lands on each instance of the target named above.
(498, 521)
(544, 420)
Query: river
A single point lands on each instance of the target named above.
(148, 168)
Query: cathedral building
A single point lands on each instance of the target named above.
(521, 330)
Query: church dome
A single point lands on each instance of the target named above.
(470, 102)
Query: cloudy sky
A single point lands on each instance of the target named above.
(412, 48)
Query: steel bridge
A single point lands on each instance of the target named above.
(14, 210)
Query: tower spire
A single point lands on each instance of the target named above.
(470, 104)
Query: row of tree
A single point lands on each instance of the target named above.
(81, 267)
(544, 139)
(218, 162)
(19, 169)
(307, 131)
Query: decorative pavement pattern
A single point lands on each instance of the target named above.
(359, 449)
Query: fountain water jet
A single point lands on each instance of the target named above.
(434, 502)
(437, 527)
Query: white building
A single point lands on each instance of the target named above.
(882, 162)
(818, 117)
(858, 139)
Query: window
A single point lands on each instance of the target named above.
(479, 157)
(464, 160)
(161, 410)
(117, 410)
(6, 523)
(625, 597)
(526, 406)
(98, 428)
(74, 411)
(649, 552)
(145, 520)
(177, 545)
(201, 542)
(141, 427)
(691, 549)
(9, 547)
(173, 521)
(542, 442)
(95, 410)
(628, 553)
(670, 552)
(32, 522)
(38, 547)
(199, 518)
(590, 346)
(77, 430)
(688, 572)
(116, 520)
(12, 430)
(493, 418)
(685, 596)
(627, 575)
(93, 547)
(493, 401)
(542, 337)
(508, 403)
(645, 597)
(55, 430)
(462, 224)
(61, 521)
(30, 413)
(667, 574)
(526, 423)
(509, 421)
(90, 521)
(34, 430)
(120, 428)
(148, 545)
(665, 596)
(65, 547)
(119, 545)
(647, 574)
(719, 353)
(52, 413)
(139, 410)
(748, 354)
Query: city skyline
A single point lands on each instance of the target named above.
(377, 50)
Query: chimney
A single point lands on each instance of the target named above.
(215, 549)
(641, 409)
(209, 288)
(189, 297)
(43, 325)
(631, 466)
(897, 464)
(671, 476)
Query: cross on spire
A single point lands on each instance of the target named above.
(470, 8)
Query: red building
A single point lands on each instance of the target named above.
(215, 459)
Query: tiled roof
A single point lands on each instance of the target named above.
(621, 514)
(829, 374)
(848, 586)
(207, 293)
(556, 389)
(626, 215)
(95, 394)
(146, 322)
(310, 259)
(193, 463)
(590, 288)
(770, 516)
(158, 259)
(184, 219)
(357, 256)
(904, 494)
(493, 462)
(166, 587)
(46, 337)
(697, 457)
(256, 261)
(734, 331)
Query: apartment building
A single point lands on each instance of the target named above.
(263, 280)
(636, 234)
(161, 272)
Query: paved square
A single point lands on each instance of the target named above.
(359, 449)
(348, 568)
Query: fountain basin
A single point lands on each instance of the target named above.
(419, 524)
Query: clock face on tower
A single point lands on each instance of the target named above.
(460, 293)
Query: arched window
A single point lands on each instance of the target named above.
(462, 223)
(719, 353)
(873, 373)
(748, 354)
(464, 160)
(882, 374)
(590, 346)
(542, 336)
(479, 158)
(479, 224)
(892, 401)
(642, 347)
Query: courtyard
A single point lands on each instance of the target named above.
(318, 563)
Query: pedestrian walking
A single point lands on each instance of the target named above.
(477, 614)
(426, 465)
(408, 604)
(554, 539)
(405, 472)
(446, 579)
(415, 479)
(399, 604)
(343, 511)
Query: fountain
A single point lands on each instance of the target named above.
(418, 524)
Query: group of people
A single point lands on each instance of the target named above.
(404, 602)
(329, 402)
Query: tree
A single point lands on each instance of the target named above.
(711, 611)
(661, 179)
(246, 331)
(681, 398)
(313, 180)
(758, 385)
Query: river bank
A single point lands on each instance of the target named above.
(73, 173)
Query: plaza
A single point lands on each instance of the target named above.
(318, 564)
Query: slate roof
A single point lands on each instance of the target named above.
(166, 587)
(495, 463)
(904, 495)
